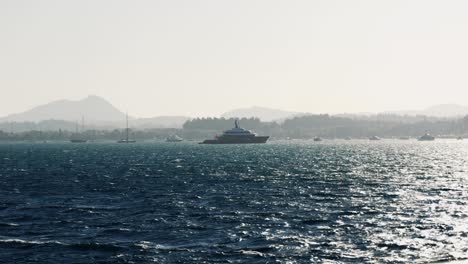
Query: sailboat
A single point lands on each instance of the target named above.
(77, 138)
(126, 139)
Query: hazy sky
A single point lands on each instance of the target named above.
(205, 57)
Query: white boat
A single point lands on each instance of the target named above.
(174, 138)
(426, 137)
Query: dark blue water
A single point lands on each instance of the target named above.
(302, 202)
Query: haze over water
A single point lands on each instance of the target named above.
(299, 69)
(203, 58)
(282, 202)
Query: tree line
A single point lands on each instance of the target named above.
(325, 125)
(301, 127)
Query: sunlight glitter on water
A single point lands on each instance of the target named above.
(333, 202)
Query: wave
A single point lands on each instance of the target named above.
(15, 242)
(8, 224)
(23, 243)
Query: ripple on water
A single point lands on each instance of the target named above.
(340, 202)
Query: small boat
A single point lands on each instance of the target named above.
(403, 138)
(426, 137)
(174, 138)
(126, 139)
(374, 138)
(348, 138)
(317, 139)
(460, 138)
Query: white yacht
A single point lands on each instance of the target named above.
(426, 137)
(174, 138)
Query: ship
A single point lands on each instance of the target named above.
(374, 138)
(174, 138)
(237, 135)
(426, 137)
(126, 139)
(317, 139)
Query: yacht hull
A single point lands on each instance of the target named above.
(78, 140)
(237, 140)
(426, 139)
(125, 141)
(174, 140)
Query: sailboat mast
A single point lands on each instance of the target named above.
(126, 116)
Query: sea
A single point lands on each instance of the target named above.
(294, 201)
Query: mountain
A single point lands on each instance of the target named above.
(98, 114)
(265, 114)
(442, 110)
(93, 108)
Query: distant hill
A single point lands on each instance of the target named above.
(98, 114)
(265, 114)
(442, 110)
(93, 108)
